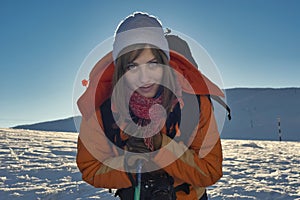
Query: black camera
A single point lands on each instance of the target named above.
(157, 186)
(154, 186)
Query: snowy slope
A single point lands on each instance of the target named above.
(41, 165)
(255, 113)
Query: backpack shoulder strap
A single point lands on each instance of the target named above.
(111, 130)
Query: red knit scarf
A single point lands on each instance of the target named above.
(143, 108)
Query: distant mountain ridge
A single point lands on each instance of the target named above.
(255, 112)
(61, 125)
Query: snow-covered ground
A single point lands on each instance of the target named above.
(41, 165)
(259, 170)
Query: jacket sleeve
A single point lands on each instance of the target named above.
(200, 164)
(96, 158)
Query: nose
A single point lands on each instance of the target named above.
(144, 76)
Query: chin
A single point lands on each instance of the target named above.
(148, 94)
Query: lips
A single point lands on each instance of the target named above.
(146, 88)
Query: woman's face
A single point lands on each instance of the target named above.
(144, 74)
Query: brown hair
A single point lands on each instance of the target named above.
(127, 56)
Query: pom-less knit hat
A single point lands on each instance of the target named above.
(139, 28)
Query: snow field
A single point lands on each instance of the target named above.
(41, 165)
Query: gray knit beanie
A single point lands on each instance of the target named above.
(139, 28)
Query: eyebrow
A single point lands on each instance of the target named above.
(153, 59)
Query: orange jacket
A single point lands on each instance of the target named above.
(200, 165)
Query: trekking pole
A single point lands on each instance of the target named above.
(137, 191)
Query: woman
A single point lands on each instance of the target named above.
(152, 133)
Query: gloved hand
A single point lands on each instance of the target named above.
(136, 153)
(157, 141)
(136, 145)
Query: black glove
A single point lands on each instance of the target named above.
(136, 145)
(136, 154)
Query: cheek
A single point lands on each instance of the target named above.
(130, 79)
(159, 75)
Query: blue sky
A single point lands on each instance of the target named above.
(43, 43)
